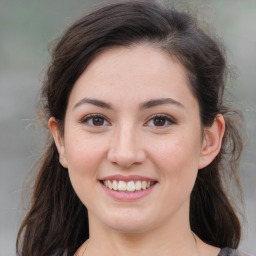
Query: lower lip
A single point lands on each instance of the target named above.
(127, 196)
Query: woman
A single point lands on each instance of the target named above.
(141, 140)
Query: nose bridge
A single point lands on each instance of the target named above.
(125, 148)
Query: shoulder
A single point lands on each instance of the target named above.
(75, 250)
(81, 249)
(232, 252)
(65, 252)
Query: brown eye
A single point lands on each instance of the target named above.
(159, 121)
(97, 121)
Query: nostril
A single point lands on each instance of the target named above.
(126, 158)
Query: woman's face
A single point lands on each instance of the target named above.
(132, 140)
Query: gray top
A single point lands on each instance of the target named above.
(231, 252)
(223, 252)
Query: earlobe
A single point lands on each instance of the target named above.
(212, 141)
(58, 139)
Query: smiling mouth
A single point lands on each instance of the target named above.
(130, 186)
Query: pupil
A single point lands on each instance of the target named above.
(98, 121)
(159, 121)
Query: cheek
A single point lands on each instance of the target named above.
(84, 157)
(177, 159)
(84, 154)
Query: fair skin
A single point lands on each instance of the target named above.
(131, 118)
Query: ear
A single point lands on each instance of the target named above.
(212, 141)
(59, 141)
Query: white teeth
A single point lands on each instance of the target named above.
(144, 184)
(110, 185)
(138, 185)
(115, 185)
(129, 186)
(121, 185)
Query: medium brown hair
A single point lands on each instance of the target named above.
(57, 218)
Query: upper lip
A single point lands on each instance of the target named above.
(127, 178)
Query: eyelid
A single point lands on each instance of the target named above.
(168, 118)
(87, 118)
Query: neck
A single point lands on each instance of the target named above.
(168, 239)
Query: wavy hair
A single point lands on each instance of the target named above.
(57, 218)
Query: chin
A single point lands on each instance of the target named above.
(128, 222)
(130, 227)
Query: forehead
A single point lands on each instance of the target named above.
(138, 72)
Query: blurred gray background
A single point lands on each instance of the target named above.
(26, 28)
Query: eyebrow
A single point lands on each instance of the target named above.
(98, 103)
(157, 102)
(145, 105)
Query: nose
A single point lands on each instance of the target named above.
(125, 148)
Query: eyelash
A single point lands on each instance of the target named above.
(167, 119)
(90, 117)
